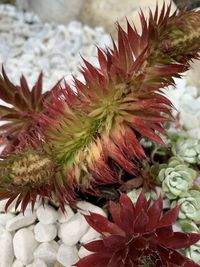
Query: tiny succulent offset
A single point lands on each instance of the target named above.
(176, 178)
(188, 149)
(107, 138)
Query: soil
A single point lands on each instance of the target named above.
(190, 4)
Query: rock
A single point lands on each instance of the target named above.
(61, 11)
(64, 217)
(5, 217)
(90, 236)
(192, 76)
(45, 233)
(73, 230)
(83, 252)
(47, 214)
(58, 264)
(3, 204)
(6, 249)
(85, 207)
(106, 12)
(54, 46)
(37, 263)
(17, 263)
(47, 252)
(24, 244)
(67, 255)
(21, 221)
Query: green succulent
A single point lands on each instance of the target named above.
(188, 226)
(193, 252)
(189, 206)
(176, 178)
(188, 149)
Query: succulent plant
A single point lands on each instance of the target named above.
(98, 126)
(140, 235)
(187, 225)
(176, 178)
(193, 252)
(21, 115)
(189, 205)
(93, 131)
(187, 149)
(30, 174)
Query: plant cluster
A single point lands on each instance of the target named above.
(106, 136)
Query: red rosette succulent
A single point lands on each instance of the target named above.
(139, 236)
(19, 115)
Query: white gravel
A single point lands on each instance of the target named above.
(26, 241)
(28, 46)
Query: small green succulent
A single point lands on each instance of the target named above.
(188, 149)
(189, 206)
(193, 252)
(176, 178)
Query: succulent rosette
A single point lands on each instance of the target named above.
(188, 149)
(176, 178)
(189, 205)
(140, 235)
(19, 116)
(193, 252)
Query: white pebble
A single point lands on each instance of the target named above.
(47, 252)
(73, 230)
(21, 221)
(17, 263)
(5, 217)
(90, 235)
(85, 207)
(6, 249)
(47, 214)
(45, 233)
(66, 216)
(37, 263)
(67, 255)
(24, 244)
(11, 208)
(83, 252)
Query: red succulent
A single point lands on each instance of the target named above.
(30, 175)
(104, 118)
(139, 236)
(20, 116)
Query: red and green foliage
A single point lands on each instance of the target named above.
(140, 235)
(93, 131)
(102, 120)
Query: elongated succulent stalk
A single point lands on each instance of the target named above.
(139, 235)
(99, 125)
